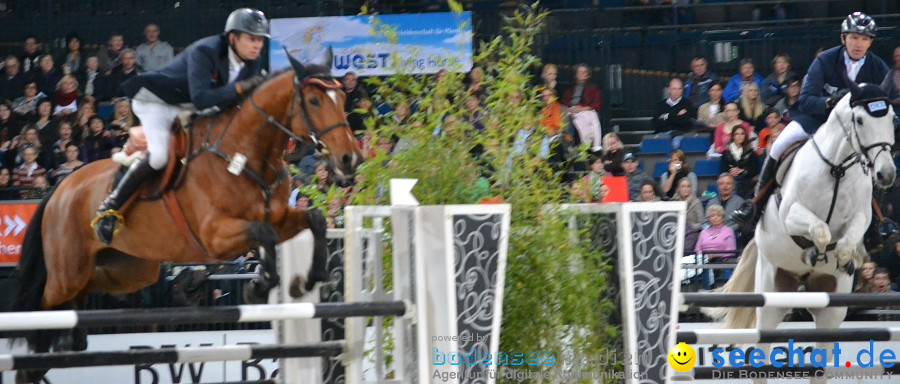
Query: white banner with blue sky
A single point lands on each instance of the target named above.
(425, 43)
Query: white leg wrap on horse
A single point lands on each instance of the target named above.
(791, 134)
(157, 119)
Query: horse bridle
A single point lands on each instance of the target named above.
(315, 136)
(297, 93)
(859, 156)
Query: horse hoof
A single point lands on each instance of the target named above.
(29, 377)
(297, 287)
(813, 256)
(256, 292)
(850, 268)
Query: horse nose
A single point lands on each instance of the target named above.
(350, 162)
(885, 179)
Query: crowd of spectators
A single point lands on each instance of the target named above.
(61, 110)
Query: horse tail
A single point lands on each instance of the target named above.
(31, 274)
(743, 280)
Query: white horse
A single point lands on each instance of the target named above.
(813, 236)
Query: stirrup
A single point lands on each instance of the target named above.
(120, 220)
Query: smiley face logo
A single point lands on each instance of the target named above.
(682, 357)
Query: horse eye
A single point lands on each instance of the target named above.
(314, 101)
(859, 121)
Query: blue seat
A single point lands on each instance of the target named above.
(105, 109)
(707, 168)
(695, 144)
(713, 188)
(659, 168)
(383, 109)
(656, 146)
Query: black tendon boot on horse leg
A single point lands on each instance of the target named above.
(104, 224)
(748, 214)
(319, 228)
(257, 290)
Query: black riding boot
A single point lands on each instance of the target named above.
(108, 213)
(749, 213)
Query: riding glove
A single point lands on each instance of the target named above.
(244, 87)
(834, 99)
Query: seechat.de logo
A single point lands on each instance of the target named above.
(682, 357)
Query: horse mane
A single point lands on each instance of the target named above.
(318, 70)
(312, 70)
(271, 76)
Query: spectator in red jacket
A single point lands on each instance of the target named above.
(582, 96)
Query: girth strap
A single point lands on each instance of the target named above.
(177, 215)
(805, 243)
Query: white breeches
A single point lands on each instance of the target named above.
(791, 134)
(157, 118)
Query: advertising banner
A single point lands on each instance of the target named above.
(14, 219)
(425, 43)
(199, 372)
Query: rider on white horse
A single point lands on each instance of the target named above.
(823, 87)
(216, 71)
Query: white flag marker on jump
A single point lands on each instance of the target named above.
(401, 192)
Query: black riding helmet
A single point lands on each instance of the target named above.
(248, 20)
(858, 22)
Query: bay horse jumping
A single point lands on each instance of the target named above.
(228, 209)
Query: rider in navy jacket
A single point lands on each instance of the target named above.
(216, 71)
(196, 76)
(823, 87)
(825, 79)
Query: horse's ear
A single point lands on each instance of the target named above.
(888, 83)
(851, 85)
(299, 68)
(329, 58)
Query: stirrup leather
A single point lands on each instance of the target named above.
(120, 220)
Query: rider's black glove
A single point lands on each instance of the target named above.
(834, 99)
(244, 87)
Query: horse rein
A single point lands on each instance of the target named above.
(314, 136)
(859, 156)
(296, 94)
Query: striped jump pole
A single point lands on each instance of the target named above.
(167, 355)
(791, 299)
(752, 336)
(768, 371)
(26, 321)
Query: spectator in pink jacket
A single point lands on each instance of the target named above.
(718, 237)
(722, 134)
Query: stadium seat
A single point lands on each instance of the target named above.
(660, 168)
(105, 109)
(696, 144)
(707, 168)
(656, 146)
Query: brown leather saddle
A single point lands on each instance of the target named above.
(784, 164)
(167, 179)
(166, 182)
